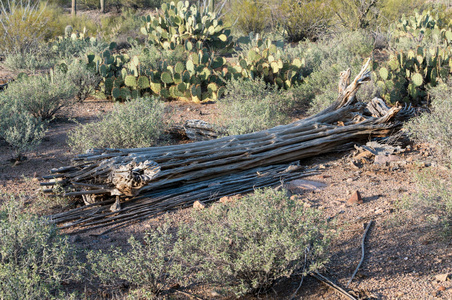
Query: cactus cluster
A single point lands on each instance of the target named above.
(182, 22)
(407, 75)
(197, 79)
(265, 60)
(421, 26)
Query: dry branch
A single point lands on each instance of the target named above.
(362, 252)
(157, 179)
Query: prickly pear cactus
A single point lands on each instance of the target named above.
(182, 22)
(265, 60)
(407, 75)
(418, 27)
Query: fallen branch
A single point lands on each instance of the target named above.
(362, 252)
(328, 282)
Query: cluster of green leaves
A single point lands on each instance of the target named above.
(246, 247)
(138, 123)
(252, 243)
(253, 105)
(147, 264)
(34, 259)
(19, 128)
(435, 127)
(41, 95)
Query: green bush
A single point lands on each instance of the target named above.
(325, 60)
(20, 129)
(250, 15)
(252, 105)
(305, 19)
(433, 203)
(252, 243)
(84, 79)
(435, 127)
(138, 123)
(145, 265)
(41, 95)
(34, 259)
(41, 59)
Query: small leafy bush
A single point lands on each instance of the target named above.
(325, 60)
(138, 123)
(20, 129)
(22, 26)
(84, 79)
(34, 259)
(145, 265)
(41, 95)
(253, 242)
(252, 105)
(30, 61)
(434, 200)
(435, 127)
(250, 15)
(304, 20)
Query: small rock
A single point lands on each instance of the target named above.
(441, 288)
(35, 179)
(383, 159)
(322, 167)
(378, 211)
(349, 180)
(442, 277)
(355, 199)
(299, 186)
(199, 205)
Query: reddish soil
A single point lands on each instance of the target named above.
(402, 257)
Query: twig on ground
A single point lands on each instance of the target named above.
(331, 284)
(191, 296)
(302, 275)
(362, 252)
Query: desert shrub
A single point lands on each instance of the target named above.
(34, 259)
(435, 127)
(304, 20)
(22, 26)
(127, 24)
(353, 14)
(251, 105)
(433, 202)
(250, 15)
(390, 11)
(145, 265)
(138, 123)
(325, 59)
(20, 129)
(84, 79)
(40, 59)
(41, 95)
(250, 244)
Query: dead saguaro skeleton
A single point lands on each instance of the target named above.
(157, 179)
